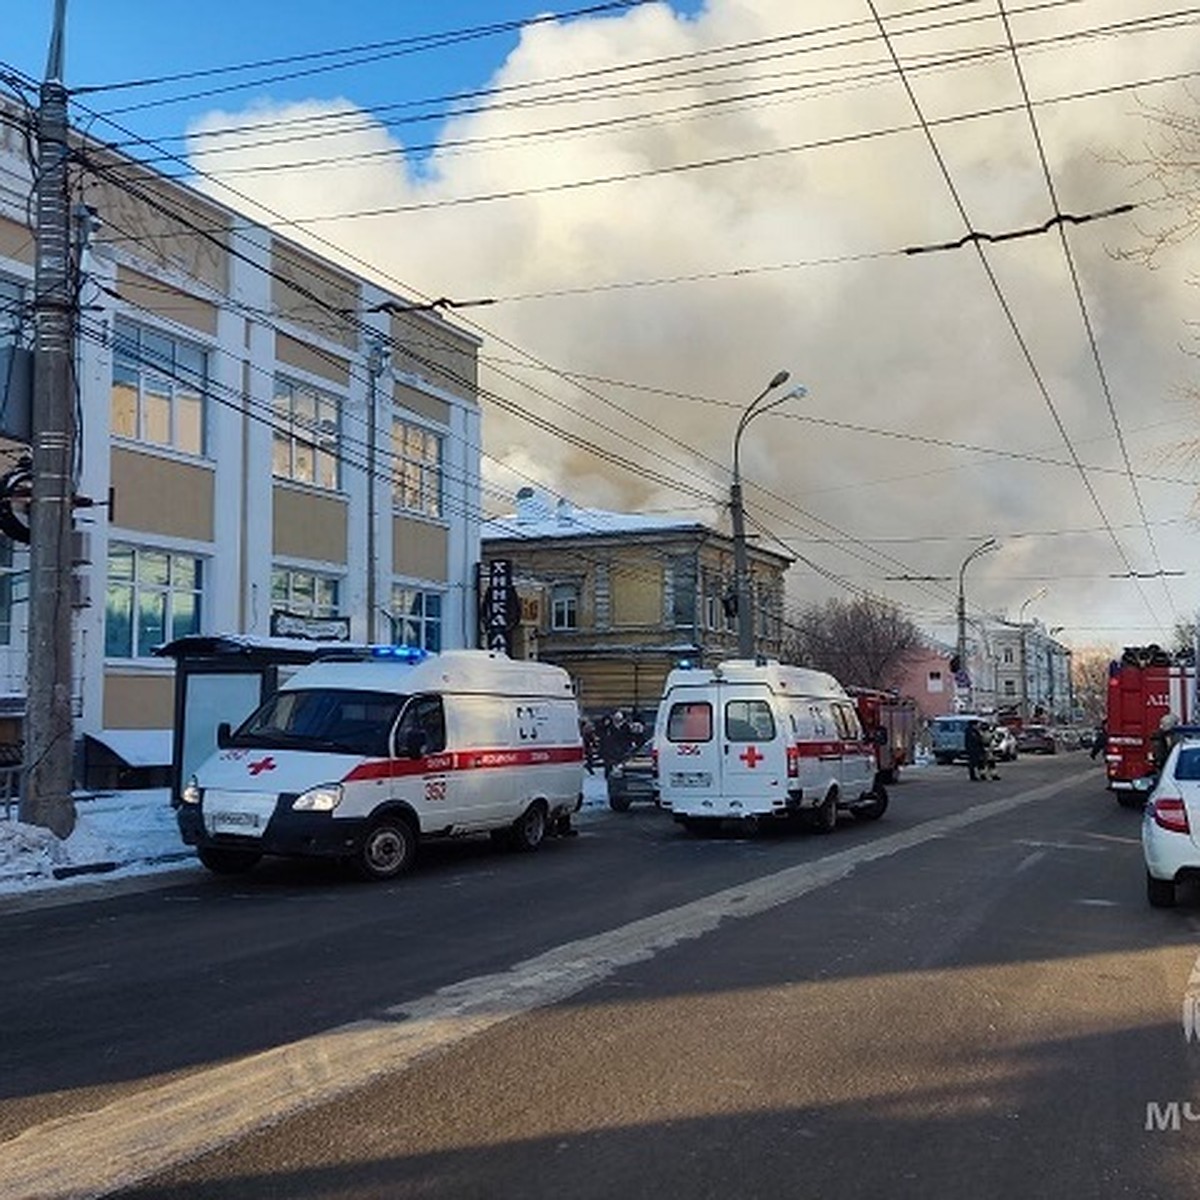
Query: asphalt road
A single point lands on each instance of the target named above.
(969, 997)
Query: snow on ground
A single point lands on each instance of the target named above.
(119, 834)
(116, 834)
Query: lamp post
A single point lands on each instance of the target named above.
(1024, 678)
(741, 582)
(961, 647)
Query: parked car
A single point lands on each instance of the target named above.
(1004, 743)
(1171, 824)
(634, 778)
(1036, 739)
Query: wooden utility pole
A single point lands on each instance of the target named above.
(46, 792)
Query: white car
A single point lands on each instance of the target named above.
(1171, 825)
(1004, 744)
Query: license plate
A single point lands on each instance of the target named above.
(234, 820)
(691, 779)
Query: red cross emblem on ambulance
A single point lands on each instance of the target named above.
(263, 764)
(751, 757)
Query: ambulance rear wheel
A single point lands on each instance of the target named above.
(388, 850)
(228, 862)
(824, 816)
(529, 829)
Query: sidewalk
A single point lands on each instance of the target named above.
(116, 834)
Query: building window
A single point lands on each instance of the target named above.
(158, 389)
(417, 478)
(564, 606)
(307, 438)
(304, 593)
(684, 581)
(14, 590)
(12, 312)
(416, 618)
(1010, 689)
(153, 597)
(1008, 656)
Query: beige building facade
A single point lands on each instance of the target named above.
(618, 600)
(276, 434)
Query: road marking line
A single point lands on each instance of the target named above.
(89, 1155)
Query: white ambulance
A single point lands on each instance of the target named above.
(361, 759)
(753, 740)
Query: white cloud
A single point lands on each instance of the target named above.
(918, 345)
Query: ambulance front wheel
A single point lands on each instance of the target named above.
(388, 849)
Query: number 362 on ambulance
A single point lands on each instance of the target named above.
(362, 760)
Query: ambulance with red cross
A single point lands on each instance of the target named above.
(361, 759)
(753, 741)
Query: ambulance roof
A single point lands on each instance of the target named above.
(800, 681)
(477, 671)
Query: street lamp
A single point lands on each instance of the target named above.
(1024, 679)
(961, 648)
(741, 581)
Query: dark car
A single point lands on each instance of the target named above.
(1036, 739)
(634, 778)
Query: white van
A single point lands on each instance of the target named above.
(752, 740)
(361, 759)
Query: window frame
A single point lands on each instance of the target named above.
(428, 626)
(143, 589)
(289, 427)
(568, 595)
(416, 477)
(176, 387)
(305, 601)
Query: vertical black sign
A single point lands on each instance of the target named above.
(500, 610)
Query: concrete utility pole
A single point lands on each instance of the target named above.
(741, 565)
(961, 644)
(46, 797)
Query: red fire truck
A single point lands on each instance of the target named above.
(1144, 686)
(897, 717)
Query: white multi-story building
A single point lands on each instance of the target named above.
(1033, 672)
(276, 434)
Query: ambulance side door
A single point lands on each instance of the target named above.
(856, 771)
(426, 781)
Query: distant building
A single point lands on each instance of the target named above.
(928, 678)
(1033, 673)
(619, 599)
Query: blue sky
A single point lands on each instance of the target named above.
(110, 41)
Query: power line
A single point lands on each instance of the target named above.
(1093, 344)
(1010, 317)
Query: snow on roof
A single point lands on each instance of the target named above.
(137, 747)
(538, 517)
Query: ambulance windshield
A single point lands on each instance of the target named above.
(335, 720)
